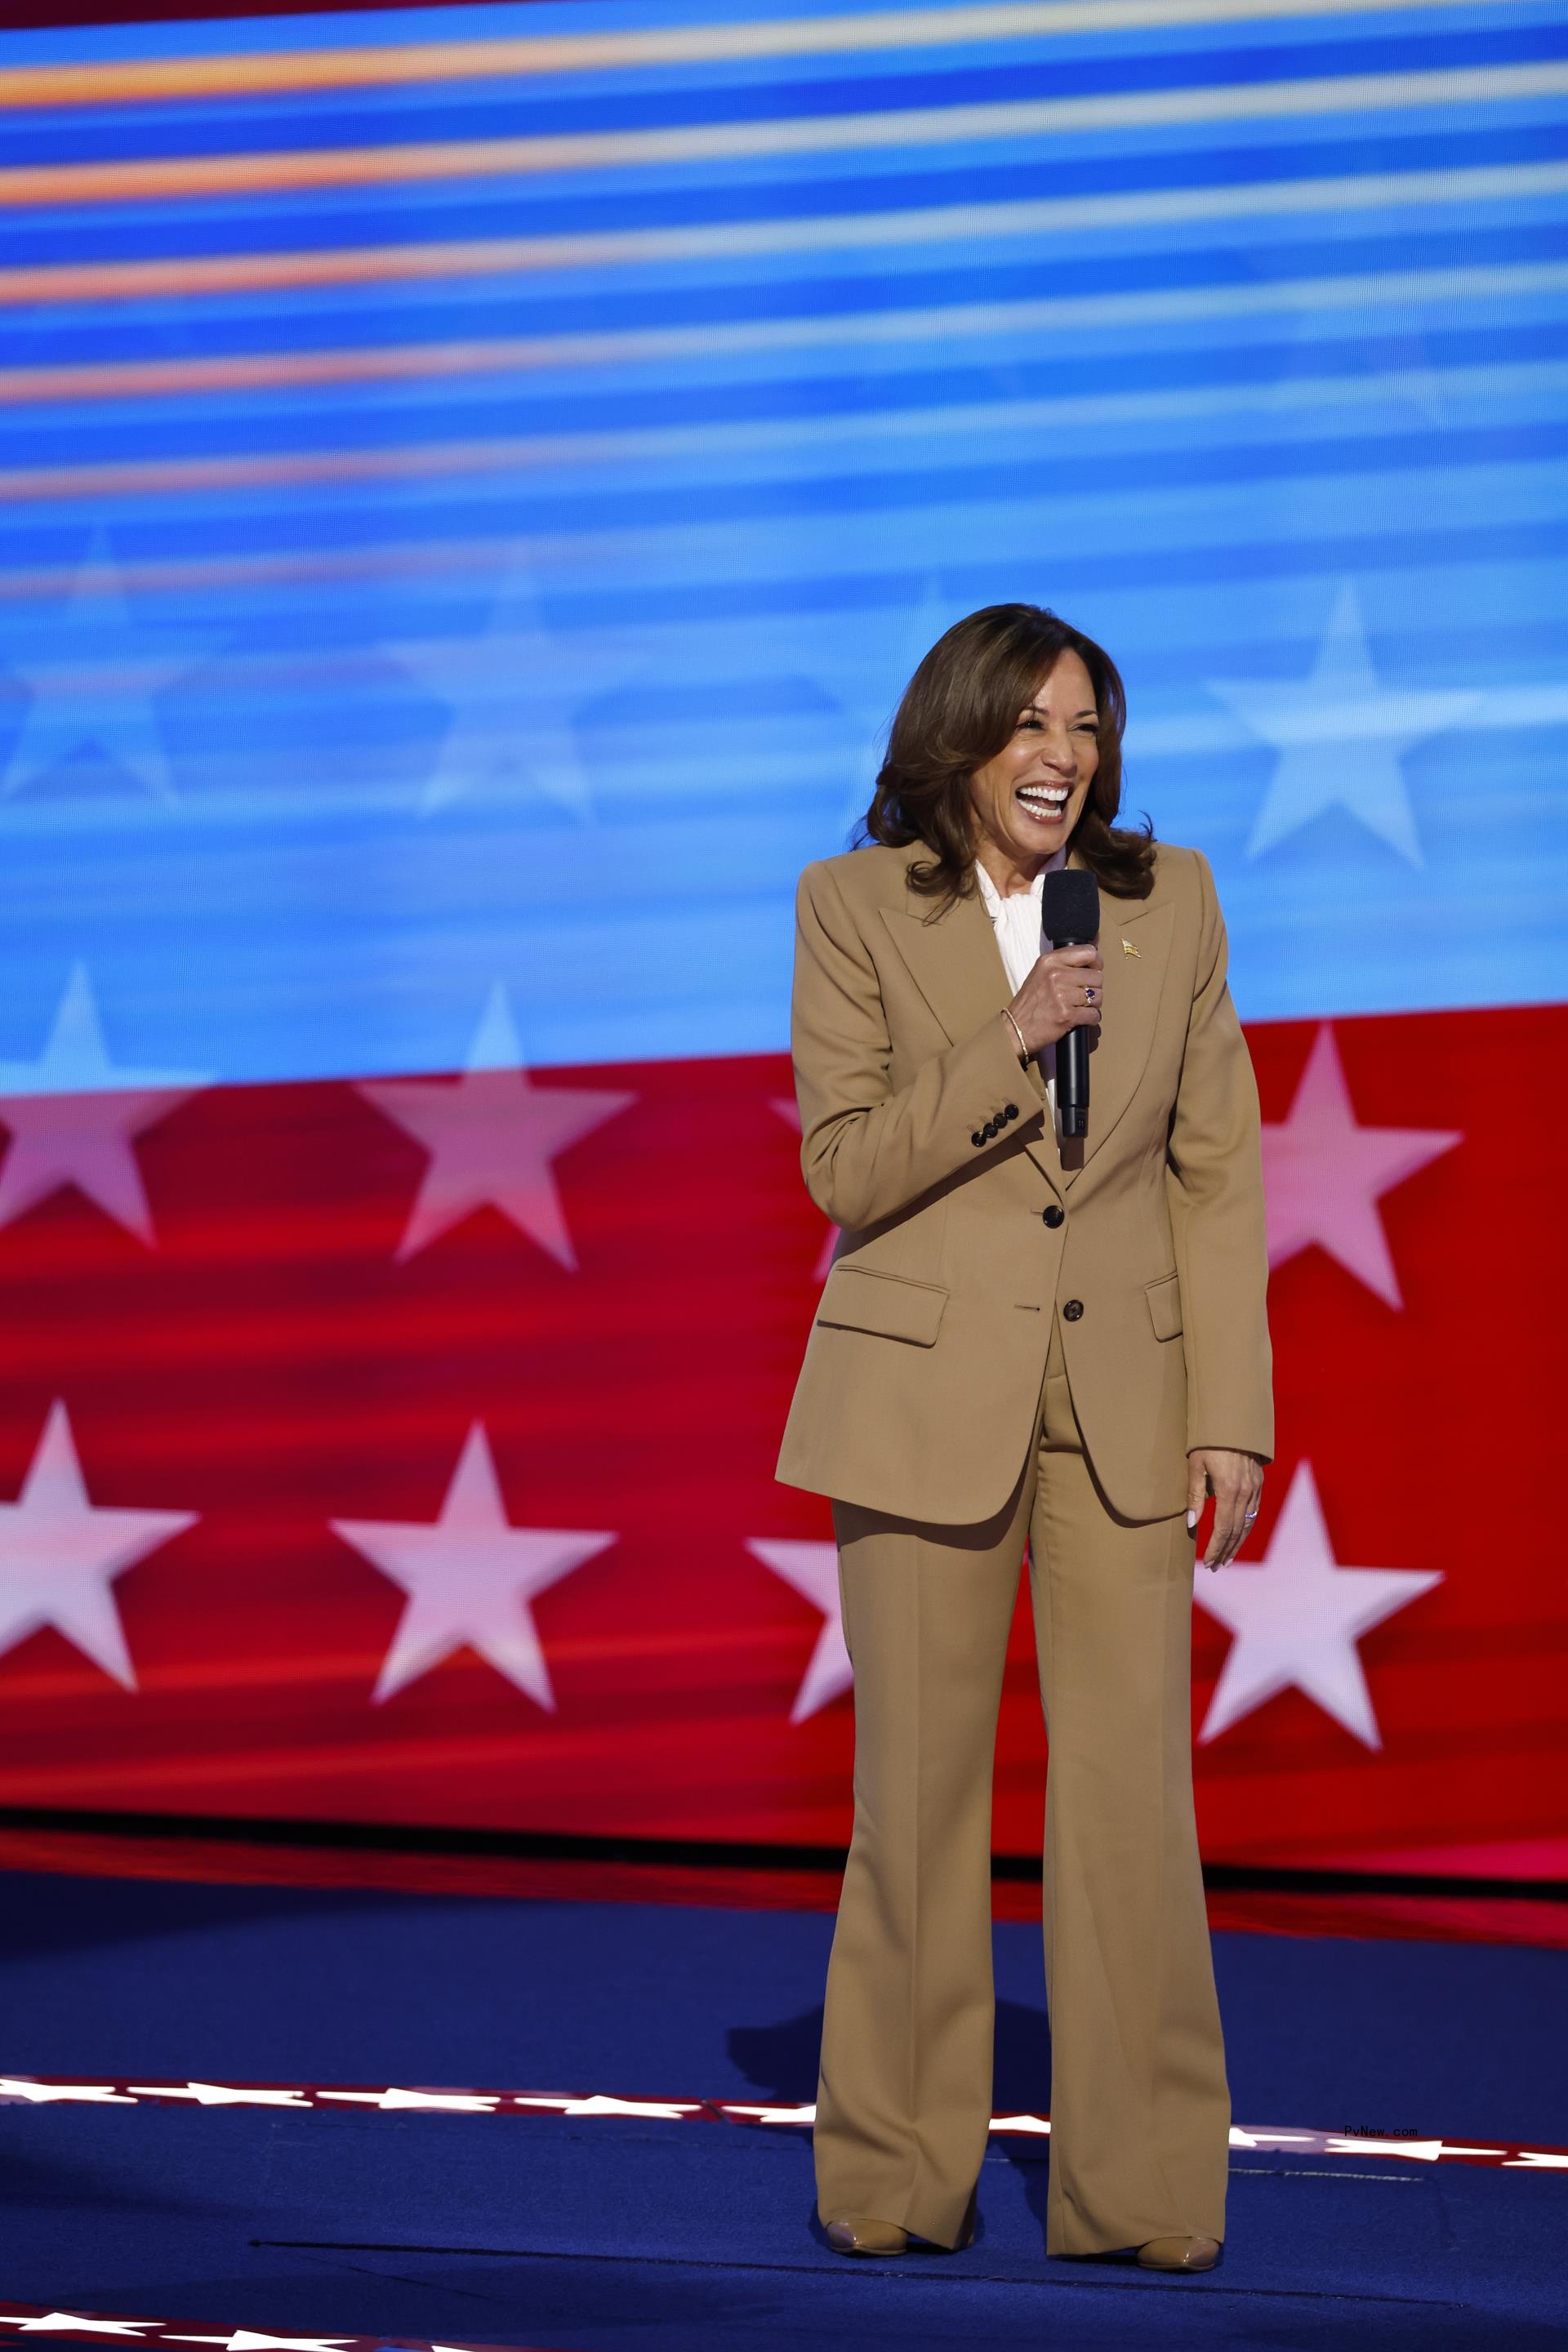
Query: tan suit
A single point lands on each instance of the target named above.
(1016, 1344)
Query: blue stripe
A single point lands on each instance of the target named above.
(548, 306)
(484, 20)
(1062, 576)
(532, 107)
(293, 911)
(1065, 577)
(513, 408)
(319, 221)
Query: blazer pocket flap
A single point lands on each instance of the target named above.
(1165, 1299)
(857, 1298)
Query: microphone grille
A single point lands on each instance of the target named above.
(1069, 905)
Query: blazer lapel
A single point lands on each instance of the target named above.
(1134, 976)
(956, 963)
(953, 959)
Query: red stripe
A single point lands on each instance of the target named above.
(273, 1367)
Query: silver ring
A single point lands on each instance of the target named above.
(1249, 1515)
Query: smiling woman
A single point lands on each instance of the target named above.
(1024, 1339)
(1007, 707)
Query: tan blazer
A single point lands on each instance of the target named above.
(962, 1228)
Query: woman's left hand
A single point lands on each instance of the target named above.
(1236, 1482)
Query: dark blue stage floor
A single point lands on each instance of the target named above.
(674, 2235)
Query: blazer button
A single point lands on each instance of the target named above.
(1011, 1111)
(977, 1140)
(1054, 1215)
(1072, 1311)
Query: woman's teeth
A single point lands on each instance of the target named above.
(1044, 800)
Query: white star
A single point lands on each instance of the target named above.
(790, 1113)
(68, 2323)
(1323, 1175)
(72, 1113)
(1296, 1617)
(246, 2339)
(813, 1569)
(465, 2103)
(492, 1135)
(91, 689)
(59, 1554)
(1417, 2151)
(1039, 2125)
(470, 1578)
(218, 2094)
(1340, 736)
(656, 2110)
(514, 689)
(102, 2094)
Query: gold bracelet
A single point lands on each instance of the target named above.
(1023, 1046)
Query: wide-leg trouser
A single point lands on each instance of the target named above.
(1139, 2102)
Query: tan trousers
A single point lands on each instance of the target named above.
(1140, 2105)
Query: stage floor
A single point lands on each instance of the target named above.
(549, 2228)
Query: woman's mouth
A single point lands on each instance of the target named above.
(1043, 803)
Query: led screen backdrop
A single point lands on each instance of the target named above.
(474, 482)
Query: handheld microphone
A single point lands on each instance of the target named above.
(1069, 918)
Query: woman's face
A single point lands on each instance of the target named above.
(1027, 799)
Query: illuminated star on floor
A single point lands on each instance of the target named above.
(601, 2104)
(1323, 1175)
(461, 2103)
(219, 2095)
(492, 1136)
(1297, 1616)
(72, 1113)
(70, 2323)
(60, 1555)
(812, 1569)
(91, 686)
(98, 2095)
(1341, 734)
(470, 1578)
(247, 2339)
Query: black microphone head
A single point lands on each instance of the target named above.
(1070, 907)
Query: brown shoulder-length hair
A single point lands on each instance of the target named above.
(958, 712)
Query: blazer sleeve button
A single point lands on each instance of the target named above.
(1073, 1310)
(977, 1140)
(1011, 1111)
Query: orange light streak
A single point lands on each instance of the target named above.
(286, 371)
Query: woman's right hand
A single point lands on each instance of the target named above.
(1056, 997)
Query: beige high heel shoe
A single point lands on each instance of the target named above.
(1179, 2254)
(861, 2235)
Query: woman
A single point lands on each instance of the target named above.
(1022, 1339)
